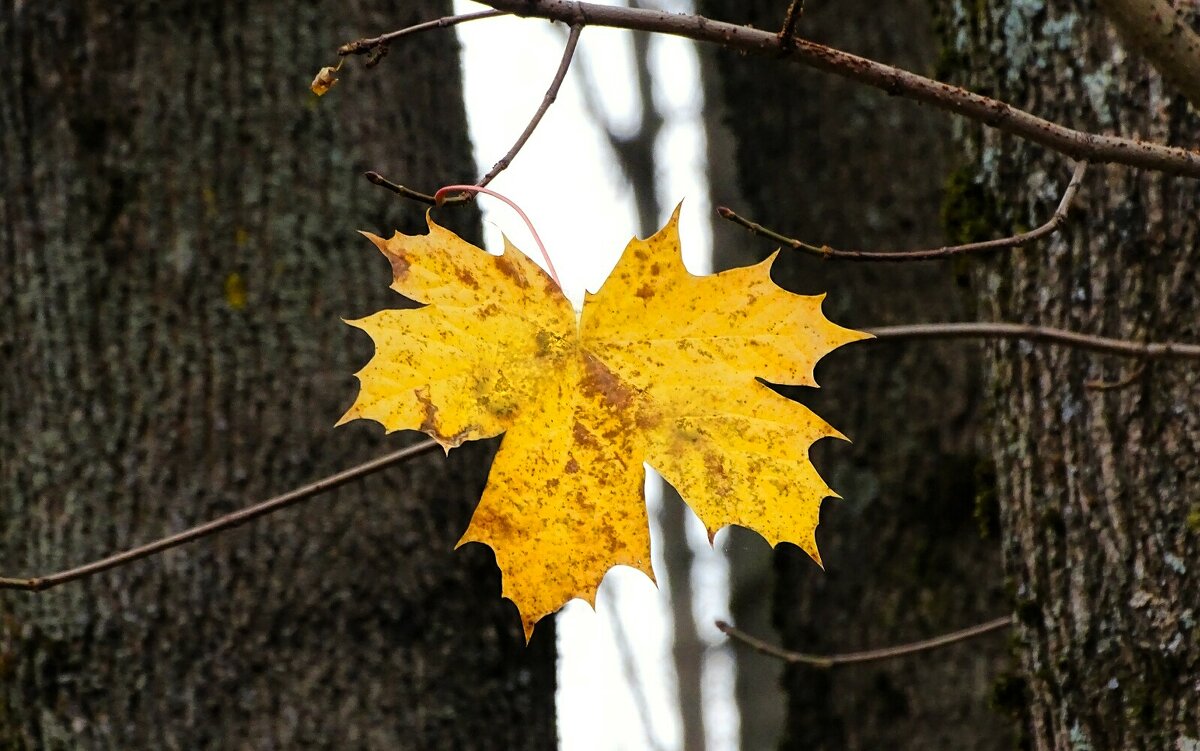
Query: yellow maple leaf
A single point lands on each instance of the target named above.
(661, 367)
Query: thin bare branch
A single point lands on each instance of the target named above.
(416, 195)
(1128, 379)
(886, 653)
(500, 166)
(787, 34)
(591, 103)
(1122, 347)
(551, 94)
(229, 521)
(1078, 145)
(363, 46)
(826, 252)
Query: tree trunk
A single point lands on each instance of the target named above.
(827, 161)
(177, 217)
(1098, 486)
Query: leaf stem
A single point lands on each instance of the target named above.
(440, 196)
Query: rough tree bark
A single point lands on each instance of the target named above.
(177, 219)
(1098, 487)
(830, 162)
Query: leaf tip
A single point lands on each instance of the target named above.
(528, 625)
(378, 241)
(351, 414)
(816, 556)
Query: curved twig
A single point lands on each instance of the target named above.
(826, 252)
(464, 197)
(1122, 347)
(415, 195)
(787, 34)
(1078, 145)
(547, 100)
(364, 46)
(848, 658)
(229, 521)
(1099, 384)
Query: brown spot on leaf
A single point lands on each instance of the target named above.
(430, 410)
(599, 380)
(466, 277)
(612, 540)
(498, 526)
(646, 291)
(505, 266)
(714, 465)
(572, 465)
(583, 436)
(399, 263)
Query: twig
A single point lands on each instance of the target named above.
(414, 195)
(363, 46)
(886, 653)
(1129, 378)
(1078, 145)
(500, 166)
(547, 100)
(787, 35)
(824, 251)
(1123, 347)
(229, 521)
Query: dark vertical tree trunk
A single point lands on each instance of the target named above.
(177, 217)
(1098, 487)
(830, 162)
